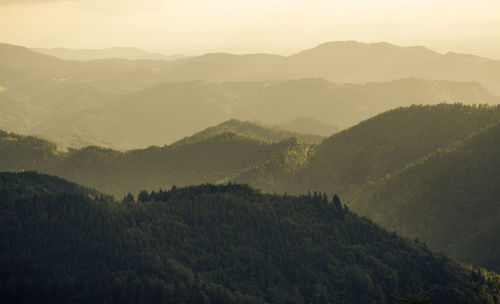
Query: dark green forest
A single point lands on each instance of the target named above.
(227, 243)
(387, 142)
(450, 199)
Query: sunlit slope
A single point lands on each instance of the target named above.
(252, 129)
(213, 155)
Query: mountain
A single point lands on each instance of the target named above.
(384, 167)
(261, 156)
(276, 173)
(308, 125)
(103, 99)
(211, 244)
(345, 62)
(338, 61)
(210, 156)
(252, 129)
(450, 199)
(355, 53)
(18, 56)
(168, 112)
(128, 53)
(387, 142)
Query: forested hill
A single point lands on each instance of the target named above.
(252, 129)
(387, 142)
(31, 183)
(211, 244)
(212, 158)
(450, 199)
(341, 163)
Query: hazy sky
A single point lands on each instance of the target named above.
(241, 26)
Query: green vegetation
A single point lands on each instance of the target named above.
(450, 199)
(252, 129)
(358, 163)
(387, 142)
(209, 244)
(212, 159)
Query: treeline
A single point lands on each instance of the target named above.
(210, 244)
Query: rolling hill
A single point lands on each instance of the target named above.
(210, 244)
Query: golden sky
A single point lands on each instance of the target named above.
(273, 26)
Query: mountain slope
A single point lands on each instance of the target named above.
(450, 199)
(387, 142)
(213, 244)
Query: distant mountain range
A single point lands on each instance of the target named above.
(135, 103)
(341, 61)
(96, 54)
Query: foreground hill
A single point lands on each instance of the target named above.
(450, 199)
(170, 111)
(210, 244)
